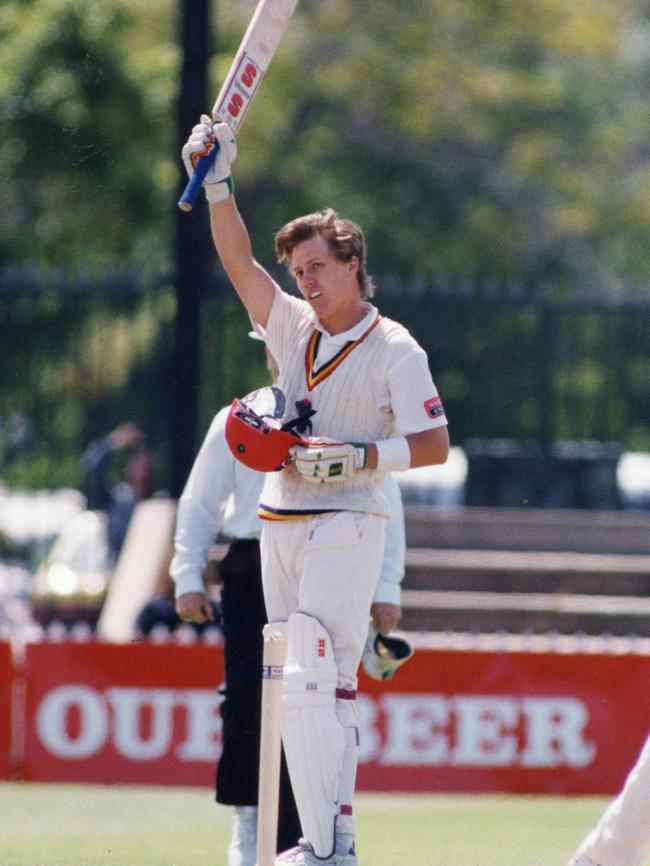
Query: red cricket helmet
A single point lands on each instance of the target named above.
(255, 434)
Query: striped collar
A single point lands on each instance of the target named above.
(315, 377)
(370, 311)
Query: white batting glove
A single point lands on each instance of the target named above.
(218, 182)
(326, 462)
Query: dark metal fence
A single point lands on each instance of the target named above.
(80, 354)
(546, 368)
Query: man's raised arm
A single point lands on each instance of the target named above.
(252, 283)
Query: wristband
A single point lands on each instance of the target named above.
(219, 191)
(393, 455)
(360, 455)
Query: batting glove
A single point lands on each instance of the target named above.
(218, 182)
(329, 462)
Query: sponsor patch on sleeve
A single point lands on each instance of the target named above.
(434, 407)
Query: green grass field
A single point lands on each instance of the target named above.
(79, 825)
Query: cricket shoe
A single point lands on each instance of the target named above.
(303, 855)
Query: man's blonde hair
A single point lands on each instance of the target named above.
(344, 238)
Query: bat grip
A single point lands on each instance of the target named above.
(194, 184)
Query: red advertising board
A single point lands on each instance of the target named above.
(135, 713)
(7, 677)
(520, 722)
(451, 720)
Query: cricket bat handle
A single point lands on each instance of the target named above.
(187, 200)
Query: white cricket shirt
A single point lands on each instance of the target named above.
(376, 385)
(222, 495)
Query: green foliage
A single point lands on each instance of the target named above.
(495, 139)
(488, 140)
(500, 139)
(77, 362)
(85, 93)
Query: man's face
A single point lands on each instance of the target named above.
(329, 284)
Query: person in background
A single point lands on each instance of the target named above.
(622, 836)
(117, 498)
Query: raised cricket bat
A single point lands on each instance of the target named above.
(244, 77)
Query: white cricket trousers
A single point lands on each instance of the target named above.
(327, 567)
(622, 836)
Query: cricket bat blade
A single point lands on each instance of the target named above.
(253, 57)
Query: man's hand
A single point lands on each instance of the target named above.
(194, 607)
(324, 462)
(385, 616)
(217, 183)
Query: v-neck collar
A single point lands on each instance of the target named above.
(315, 377)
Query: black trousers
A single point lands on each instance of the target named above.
(244, 616)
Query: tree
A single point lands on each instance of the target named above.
(491, 138)
(86, 89)
(495, 139)
(502, 141)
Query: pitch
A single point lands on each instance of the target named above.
(86, 825)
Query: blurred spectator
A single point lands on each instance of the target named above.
(106, 493)
(633, 478)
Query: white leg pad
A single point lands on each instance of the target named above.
(345, 822)
(314, 740)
